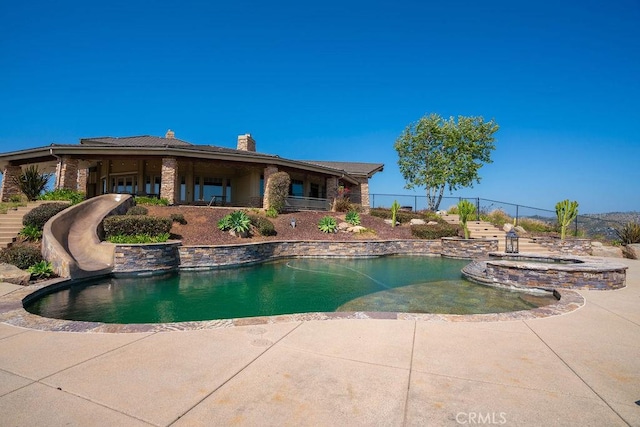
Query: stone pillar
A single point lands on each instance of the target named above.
(268, 171)
(169, 179)
(83, 175)
(364, 194)
(9, 187)
(67, 173)
(332, 190)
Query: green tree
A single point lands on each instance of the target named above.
(438, 153)
(31, 182)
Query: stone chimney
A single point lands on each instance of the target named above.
(170, 134)
(246, 143)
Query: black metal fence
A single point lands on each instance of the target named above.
(584, 225)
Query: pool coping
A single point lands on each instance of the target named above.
(13, 313)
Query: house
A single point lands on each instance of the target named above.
(185, 173)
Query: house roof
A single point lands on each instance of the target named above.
(135, 141)
(352, 168)
(153, 145)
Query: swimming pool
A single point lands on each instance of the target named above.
(389, 284)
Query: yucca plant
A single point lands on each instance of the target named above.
(465, 210)
(31, 182)
(629, 234)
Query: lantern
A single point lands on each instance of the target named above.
(511, 242)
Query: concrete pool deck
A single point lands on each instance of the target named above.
(580, 368)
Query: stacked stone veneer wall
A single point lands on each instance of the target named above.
(146, 258)
(9, 185)
(162, 257)
(453, 247)
(570, 276)
(580, 247)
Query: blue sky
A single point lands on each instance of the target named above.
(340, 81)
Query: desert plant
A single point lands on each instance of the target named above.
(271, 213)
(22, 256)
(278, 190)
(137, 210)
(353, 218)
(395, 207)
(16, 198)
(73, 196)
(30, 232)
(327, 224)
(132, 225)
(41, 270)
(145, 200)
(263, 225)
(39, 215)
(465, 210)
(629, 234)
(566, 212)
(178, 217)
(31, 182)
(237, 221)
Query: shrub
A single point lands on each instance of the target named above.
(137, 210)
(497, 217)
(435, 231)
(72, 196)
(41, 270)
(22, 256)
(629, 234)
(178, 217)
(39, 215)
(31, 182)
(342, 204)
(271, 213)
(533, 225)
(30, 232)
(144, 200)
(138, 238)
(401, 216)
(328, 224)
(353, 218)
(263, 225)
(132, 225)
(278, 188)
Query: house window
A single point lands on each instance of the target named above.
(211, 189)
(152, 185)
(296, 188)
(125, 184)
(314, 190)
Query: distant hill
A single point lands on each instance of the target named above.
(604, 224)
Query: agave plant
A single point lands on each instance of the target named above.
(465, 210)
(629, 234)
(327, 224)
(352, 217)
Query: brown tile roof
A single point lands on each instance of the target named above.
(135, 141)
(352, 168)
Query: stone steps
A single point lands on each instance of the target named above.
(11, 222)
(486, 230)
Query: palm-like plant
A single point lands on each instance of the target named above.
(31, 182)
(465, 210)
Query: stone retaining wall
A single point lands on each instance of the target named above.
(160, 257)
(581, 247)
(455, 247)
(146, 258)
(571, 276)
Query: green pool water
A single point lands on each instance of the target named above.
(395, 284)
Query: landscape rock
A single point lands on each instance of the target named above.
(356, 229)
(432, 223)
(388, 221)
(417, 221)
(507, 227)
(344, 226)
(12, 274)
(518, 229)
(606, 251)
(632, 251)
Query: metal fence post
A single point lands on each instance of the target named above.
(415, 203)
(517, 207)
(477, 208)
